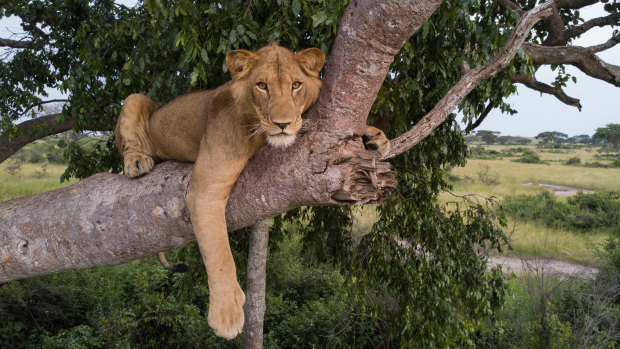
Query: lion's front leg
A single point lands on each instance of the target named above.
(226, 298)
(132, 135)
(214, 176)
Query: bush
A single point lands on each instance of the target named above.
(529, 157)
(592, 307)
(573, 161)
(479, 152)
(582, 212)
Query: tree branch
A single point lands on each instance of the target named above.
(255, 306)
(583, 58)
(595, 22)
(512, 5)
(20, 44)
(534, 84)
(607, 45)
(556, 28)
(32, 130)
(468, 82)
(574, 4)
(481, 118)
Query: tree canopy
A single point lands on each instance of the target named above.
(420, 266)
(609, 133)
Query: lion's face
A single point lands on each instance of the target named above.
(277, 86)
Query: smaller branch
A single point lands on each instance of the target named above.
(534, 84)
(607, 45)
(581, 57)
(512, 5)
(468, 82)
(574, 4)
(480, 119)
(41, 103)
(20, 44)
(34, 129)
(595, 22)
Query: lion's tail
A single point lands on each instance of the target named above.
(177, 268)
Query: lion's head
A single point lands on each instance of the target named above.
(276, 85)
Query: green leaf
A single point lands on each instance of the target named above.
(296, 7)
(318, 18)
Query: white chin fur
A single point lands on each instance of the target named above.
(281, 140)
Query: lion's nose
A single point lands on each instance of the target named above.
(282, 125)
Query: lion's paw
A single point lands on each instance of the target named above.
(226, 312)
(375, 139)
(137, 164)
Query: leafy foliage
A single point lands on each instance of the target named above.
(582, 212)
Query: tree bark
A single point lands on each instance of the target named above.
(108, 219)
(256, 283)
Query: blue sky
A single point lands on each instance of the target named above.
(536, 113)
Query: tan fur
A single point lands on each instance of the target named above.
(220, 130)
(375, 139)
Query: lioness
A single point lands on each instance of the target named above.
(220, 130)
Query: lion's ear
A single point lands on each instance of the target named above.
(311, 60)
(240, 62)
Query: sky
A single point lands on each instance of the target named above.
(536, 113)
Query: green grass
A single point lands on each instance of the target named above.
(27, 182)
(532, 240)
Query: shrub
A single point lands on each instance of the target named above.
(479, 152)
(529, 157)
(582, 212)
(487, 177)
(573, 161)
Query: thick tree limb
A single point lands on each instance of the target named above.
(555, 26)
(583, 58)
(370, 34)
(256, 284)
(534, 84)
(468, 82)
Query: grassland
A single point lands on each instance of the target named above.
(31, 179)
(501, 177)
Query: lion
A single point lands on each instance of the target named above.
(220, 130)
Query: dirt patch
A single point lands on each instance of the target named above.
(561, 190)
(548, 266)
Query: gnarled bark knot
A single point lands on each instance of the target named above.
(366, 179)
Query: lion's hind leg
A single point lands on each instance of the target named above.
(132, 135)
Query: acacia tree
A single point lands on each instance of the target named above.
(419, 267)
(611, 134)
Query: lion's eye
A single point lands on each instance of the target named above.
(262, 85)
(296, 85)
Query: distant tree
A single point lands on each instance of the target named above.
(513, 140)
(488, 137)
(551, 137)
(583, 139)
(611, 134)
